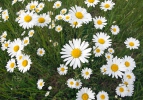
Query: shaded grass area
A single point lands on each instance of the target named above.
(22, 86)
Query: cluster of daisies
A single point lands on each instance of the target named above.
(15, 49)
(4, 15)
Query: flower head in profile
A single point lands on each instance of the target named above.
(40, 84)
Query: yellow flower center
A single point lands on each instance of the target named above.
(79, 15)
(76, 53)
(114, 67)
(41, 52)
(24, 63)
(32, 7)
(101, 41)
(59, 28)
(27, 18)
(25, 41)
(110, 50)
(75, 23)
(131, 44)
(126, 83)
(106, 5)
(85, 96)
(41, 20)
(67, 17)
(114, 29)
(86, 73)
(97, 50)
(71, 83)
(58, 5)
(12, 65)
(129, 76)
(91, 1)
(31, 33)
(16, 48)
(121, 89)
(108, 57)
(41, 84)
(102, 96)
(127, 64)
(99, 22)
(20, 57)
(77, 84)
(6, 44)
(59, 17)
(104, 70)
(62, 69)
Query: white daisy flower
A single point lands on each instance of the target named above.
(99, 22)
(5, 45)
(57, 4)
(40, 51)
(108, 56)
(115, 29)
(4, 34)
(25, 41)
(63, 11)
(107, 5)
(15, 47)
(86, 72)
(75, 24)
(41, 6)
(59, 17)
(20, 56)
(30, 33)
(115, 68)
(102, 40)
(40, 84)
(76, 52)
(62, 70)
(78, 84)
(132, 43)
(111, 50)
(129, 75)
(5, 15)
(24, 64)
(27, 19)
(58, 28)
(98, 51)
(71, 83)
(103, 69)
(43, 20)
(50, 88)
(85, 94)
(129, 63)
(102, 95)
(130, 89)
(80, 14)
(67, 17)
(121, 90)
(127, 82)
(32, 5)
(11, 65)
(91, 2)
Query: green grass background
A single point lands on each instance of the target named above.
(23, 86)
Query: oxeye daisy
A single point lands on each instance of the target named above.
(40, 51)
(62, 70)
(27, 19)
(30, 33)
(111, 50)
(99, 22)
(41, 6)
(102, 95)
(32, 5)
(108, 56)
(76, 52)
(75, 24)
(15, 47)
(63, 11)
(85, 94)
(59, 17)
(43, 20)
(80, 14)
(5, 15)
(57, 4)
(24, 64)
(40, 84)
(25, 41)
(132, 43)
(5, 45)
(67, 17)
(91, 2)
(11, 65)
(103, 69)
(129, 75)
(115, 68)
(71, 83)
(97, 51)
(102, 40)
(20, 56)
(107, 5)
(78, 84)
(4, 34)
(115, 29)
(127, 82)
(86, 72)
(129, 63)
(130, 89)
(121, 90)
(58, 28)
